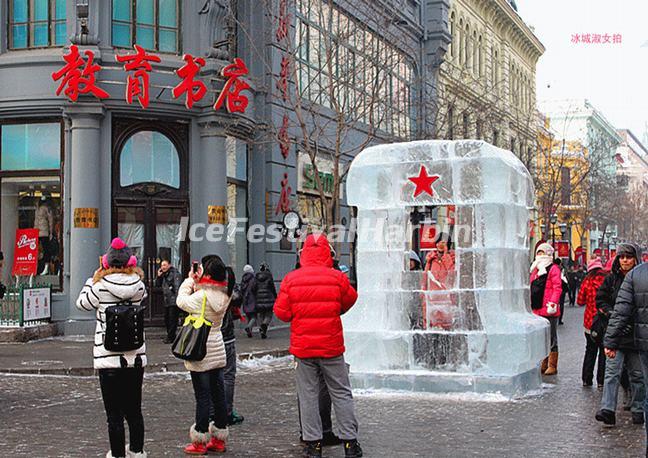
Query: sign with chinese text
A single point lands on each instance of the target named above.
(562, 248)
(86, 218)
(216, 214)
(37, 303)
(79, 74)
(25, 252)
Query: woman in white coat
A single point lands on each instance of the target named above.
(209, 432)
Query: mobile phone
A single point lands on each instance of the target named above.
(194, 267)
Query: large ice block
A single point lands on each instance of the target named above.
(477, 333)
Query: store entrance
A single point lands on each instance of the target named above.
(150, 198)
(152, 229)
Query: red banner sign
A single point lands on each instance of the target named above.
(428, 237)
(562, 248)
(26, 252)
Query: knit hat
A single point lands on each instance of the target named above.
(548, 249)
(628, 250)
(248, 269)
(119, 255)
(594, 264)
(414, 257)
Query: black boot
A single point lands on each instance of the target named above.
(313, 449)
(264, 331)
(329, 439)
(637, 418)
(606, 416)
(352, 449)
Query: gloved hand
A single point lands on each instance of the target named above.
(552, 308)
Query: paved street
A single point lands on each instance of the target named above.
(63, 416)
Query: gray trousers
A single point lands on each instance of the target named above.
(259, 318)
(229, 374)
(336, 376)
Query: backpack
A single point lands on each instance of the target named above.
(124, 327)
(537, 291)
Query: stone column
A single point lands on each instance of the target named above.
(208, 187)
(85, 193)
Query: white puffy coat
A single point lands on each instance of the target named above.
(111, 289)
(190, 297)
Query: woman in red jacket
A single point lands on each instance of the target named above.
(587, 297)
(312, 298)
(546, 289)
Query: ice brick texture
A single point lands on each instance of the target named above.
(490, 329)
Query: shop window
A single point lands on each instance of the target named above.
(36, 23)
(149, 157)
(311, 211)
(152, 24)
(30, 146)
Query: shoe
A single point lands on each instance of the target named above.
(196, 448)
(235, 418)
(553, 364)
(352, 449)
(264, 331)
(587, 384)
(248, 331)
(606, 416)
(216, 445)
(130, 454)
(560, 323)
(544, 365)
(313, 449)
(599, 387)
(329, 439)
(637, 418)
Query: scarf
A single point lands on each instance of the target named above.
(542, 263)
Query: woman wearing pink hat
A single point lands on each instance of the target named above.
(546, 289)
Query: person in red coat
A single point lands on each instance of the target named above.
(312, 299)
(587, 297)
(546, 279)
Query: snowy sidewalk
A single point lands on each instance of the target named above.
(72, 355)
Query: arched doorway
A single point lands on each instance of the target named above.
(150, 198)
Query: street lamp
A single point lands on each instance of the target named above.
(553, 219)
(563, 229)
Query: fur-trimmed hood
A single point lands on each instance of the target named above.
(118, 270)
(122, 284)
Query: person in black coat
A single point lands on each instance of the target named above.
(631, 311)
(248, 298)
(265, 294)
(169, 279)
(623, 340)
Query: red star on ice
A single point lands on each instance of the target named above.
(423, 182)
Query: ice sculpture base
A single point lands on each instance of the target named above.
(447, 382)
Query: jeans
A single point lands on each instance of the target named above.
(613, 368)
(121, 390)
(592, 349)
(171, 321)
(209, 391)
(229, 375)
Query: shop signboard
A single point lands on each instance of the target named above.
(25, 260)
(36, 303)
(427, 237)
(562, 248)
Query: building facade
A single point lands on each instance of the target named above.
(487, 83)
(159, 173)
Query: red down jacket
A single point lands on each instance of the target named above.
(312, 298)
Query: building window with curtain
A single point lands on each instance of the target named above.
(36, 24)
(152, 24)
(31, 198)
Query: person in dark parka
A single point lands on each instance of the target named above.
(169, 279)
(265, 294)
(627, 258)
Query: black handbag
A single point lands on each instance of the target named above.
(191, 342)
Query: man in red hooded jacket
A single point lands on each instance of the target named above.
(312, 299)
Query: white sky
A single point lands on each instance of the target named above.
(612, 77)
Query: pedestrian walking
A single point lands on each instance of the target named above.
(208, 288)
(626, 352)
(118, 283)
(249, 298)
(265, 295)
(574, 280)
(311, 299)
(546, 288)
(593, 347)
(169, 280)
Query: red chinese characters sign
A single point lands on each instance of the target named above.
(562, 249)
(79, 75)
(283, 206)
(25, 260)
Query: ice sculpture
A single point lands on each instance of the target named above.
(472, 328)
